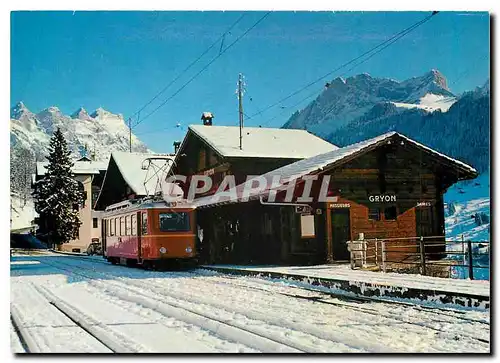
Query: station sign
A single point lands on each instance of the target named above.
(340, 205)
(424, 204)
(303, 209)
(382, 198)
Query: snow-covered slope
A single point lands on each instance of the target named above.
(345, 100)
(100, 132)
(430, 102)
(463, 202)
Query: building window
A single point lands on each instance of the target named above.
(374, 214)
(144, 224)
(391, 213)
(94, 223)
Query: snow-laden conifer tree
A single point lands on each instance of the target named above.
(58, 196)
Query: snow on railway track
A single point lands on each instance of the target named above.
(46, 329)
(198, 301)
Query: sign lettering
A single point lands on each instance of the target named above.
(340, 205)
(382, 198)
(424, 204)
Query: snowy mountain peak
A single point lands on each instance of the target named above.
(438, 78)
(106, 132)
(19, 110)
(343, 101)
(53, 109)
(81, 114)
(102, 114)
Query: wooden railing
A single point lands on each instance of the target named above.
(421, 252)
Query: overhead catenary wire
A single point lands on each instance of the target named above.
(219, 39)
(382, 45)
(203, 69)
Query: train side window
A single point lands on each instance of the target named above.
(128, 225)
(144, 224)
(133, 224)
(374, 214)
(112, 227)
(122, 226)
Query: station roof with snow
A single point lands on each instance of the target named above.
(329, 160)
(79, 167)
(260, 142)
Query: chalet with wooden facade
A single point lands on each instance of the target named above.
(215, 151)
(388, 186)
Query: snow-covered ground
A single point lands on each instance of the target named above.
(62, 303)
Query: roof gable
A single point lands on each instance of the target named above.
(141, 181)
(258, 142)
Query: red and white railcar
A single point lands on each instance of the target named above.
(149, 232)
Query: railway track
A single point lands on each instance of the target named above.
(320, 298)
(456, 314)
(210, 322)
(30, 343)
(156, 288)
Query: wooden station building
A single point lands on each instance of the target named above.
(388, 186)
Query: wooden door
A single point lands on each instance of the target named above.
(341, 232)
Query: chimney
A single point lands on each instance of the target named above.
(177, 145)
(207, 118)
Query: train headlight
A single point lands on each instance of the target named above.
(163, 250)
(189, 249)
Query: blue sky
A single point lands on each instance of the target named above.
(120, 60)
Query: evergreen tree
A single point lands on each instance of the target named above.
(22, 165)
(58, 196)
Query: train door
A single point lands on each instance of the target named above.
(139, 234)
(341, 232)
(104, 231)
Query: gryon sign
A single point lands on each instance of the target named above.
(382, 198)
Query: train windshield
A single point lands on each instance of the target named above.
(174, 222)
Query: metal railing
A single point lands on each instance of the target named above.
(424, 253)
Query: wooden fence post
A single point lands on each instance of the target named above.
(351, 254)
(469, 256)
(364, 254)
(422, 256)
(382, 243)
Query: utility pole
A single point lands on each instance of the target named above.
(240, 104)
(130, 134)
